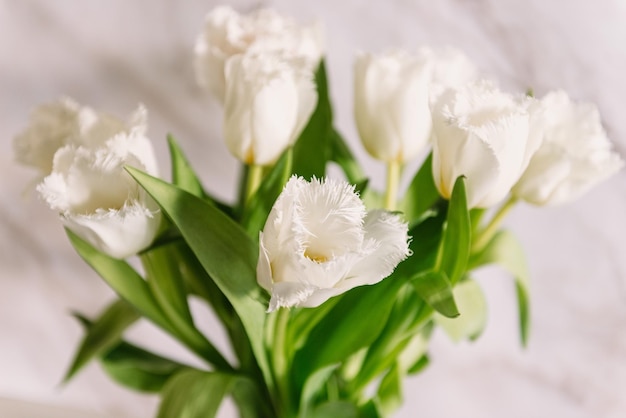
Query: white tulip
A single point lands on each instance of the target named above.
(51, 126)
(54, 125)
(450, 69)
(269, 100)
(574, 156)
(392, 92)
(227, 33)
(483, 134)
(88, 186)
(319, 242)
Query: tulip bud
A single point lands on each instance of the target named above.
(269, 100)
(575, 153)
(227, 33)
(392, 92)
(483, 134)
(391, 105)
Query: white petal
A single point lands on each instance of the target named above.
(388, 237)
(118, 233)
(51, 126)
(289, 294)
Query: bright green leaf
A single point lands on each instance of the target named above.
(505, 250)
(457, 234)
(354, 322)
(434, 287)
(225, 251)
(422, 193)
(185, 177)
(341, 154)
(182, 173)
(311, 151)
(103, 334)
(472, 306)
(256, 213)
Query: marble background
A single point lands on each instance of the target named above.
(117, 53)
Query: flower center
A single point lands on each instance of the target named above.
(315, 256)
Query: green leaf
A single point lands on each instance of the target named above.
(505, 250)
(314, 384)
(422, 193)
(182, 173)
(125, 281)
(336, 409)
(311, 151)
(473, 308)
(185, 177)
(198, 394)
(129, 285)
(354, 322)
(390, 392)
(457, 234)
(139, 369)
(103, 334)
(260, 205)
(341, 154)
(225, 251)
(383, 352)
(434, 287)
(164, 275)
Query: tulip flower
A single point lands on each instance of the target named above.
(86, 181)
(227, 33)
(51, 126)
(319, 241)
(269, 100)
(392, 92)
(575, 153)
(483, 134)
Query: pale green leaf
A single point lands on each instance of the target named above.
(434, 287)
(505, 250)
(472, 306)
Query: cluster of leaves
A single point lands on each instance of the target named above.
(320, 362)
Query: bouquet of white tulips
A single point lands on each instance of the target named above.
(327, 290)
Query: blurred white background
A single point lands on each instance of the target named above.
(114, 54)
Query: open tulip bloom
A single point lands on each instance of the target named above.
(327, 294)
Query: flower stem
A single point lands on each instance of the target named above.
(393, 179)
(255, 175)
(485, 235)
(279, 360)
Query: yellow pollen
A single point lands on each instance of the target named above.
(318, 258)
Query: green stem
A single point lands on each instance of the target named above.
(255, 175)
(393, 179)
(280, 361)
(485, 235)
